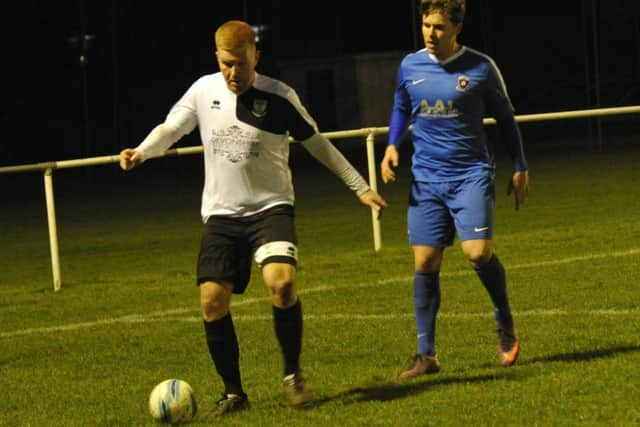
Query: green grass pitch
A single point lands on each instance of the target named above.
(127, 316)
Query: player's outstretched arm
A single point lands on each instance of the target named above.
(390, 161)
(322, 149)
(159, 140)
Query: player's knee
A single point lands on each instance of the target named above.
(283, 293)
(477, 252)
(428, 261)
(478, 255)
(215, 305)
(280, 279)
(428, 265)
(213, 309)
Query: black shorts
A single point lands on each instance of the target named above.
(228, 244)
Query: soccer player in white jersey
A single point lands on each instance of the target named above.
(445, 91)
(245, 120)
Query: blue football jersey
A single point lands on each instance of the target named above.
(446, 103)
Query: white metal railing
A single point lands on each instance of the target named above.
(368, 133)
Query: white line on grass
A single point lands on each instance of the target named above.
(138, 318)
(397, 316)
(169, 315)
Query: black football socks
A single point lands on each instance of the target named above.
(288, 326)
(223, 347)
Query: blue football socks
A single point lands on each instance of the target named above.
(426, 299)
(493, 278)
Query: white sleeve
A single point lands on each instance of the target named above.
(181, 120)
(327, 154)
(160, 139)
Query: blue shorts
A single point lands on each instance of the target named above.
(438, 209)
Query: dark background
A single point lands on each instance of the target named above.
(140, 56)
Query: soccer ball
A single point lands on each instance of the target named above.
(173, 402)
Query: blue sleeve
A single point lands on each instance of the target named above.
(500, 107)
(510, 134)
(400, 113)
(397, 127)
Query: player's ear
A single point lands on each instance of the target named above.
(257, 57)
(458, 29)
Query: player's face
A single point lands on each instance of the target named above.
(440, 34)
(238, 67)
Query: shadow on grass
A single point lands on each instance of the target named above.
(392, 391)
(584, 356)
(576, 356)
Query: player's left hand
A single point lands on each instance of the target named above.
(374, 201)
(519, 185)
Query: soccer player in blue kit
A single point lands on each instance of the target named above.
(245, 120)
(445, 91)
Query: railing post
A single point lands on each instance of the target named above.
(53, 229)
(373, 183)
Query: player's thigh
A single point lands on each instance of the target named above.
(276, 252)
(472, 208)
(278, 274)
(273, 236)
(428, 218)
(225, 254)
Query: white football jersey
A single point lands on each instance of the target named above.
(245, 140)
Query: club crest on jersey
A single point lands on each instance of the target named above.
(463, 83)
(259, 107)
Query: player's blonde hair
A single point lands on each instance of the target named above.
(234, 34)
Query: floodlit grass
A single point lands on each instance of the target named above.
(127, 316)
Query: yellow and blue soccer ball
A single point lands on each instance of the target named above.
(173, 402)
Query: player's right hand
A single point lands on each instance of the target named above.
(130, 158)
(389, 161)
